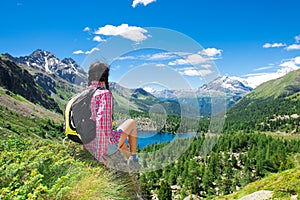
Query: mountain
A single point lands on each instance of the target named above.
(272, 185)
(140, 100)
(46, 61)
(36, 160)
(61, 79)
(272, 106)
(229, 85)
(19, 81)
(57, 78)
(233, 89)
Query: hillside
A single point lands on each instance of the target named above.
(61, 79)
(36, 165)
(139, 100)
(247, 152)
(229, 89)
(23, 107)
(45, 61)
(283, 185)
(20, 81)
(236, 160)
(272, 106)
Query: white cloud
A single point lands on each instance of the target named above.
(144, 2)
(293, 47)
(134, 33)
(150, 57)
(211, 52)
(98, 39)
(201, 58)
(178, 62)
(192, 59)
(78, 52)
(92, 50)
(206, 66)
(297, 60)
(297, 38)
(196, 59)
(255, 80)
(126, 58)
(87, 29)
(288, 66)
(161, 56)
(86, 52)
(285, 67)
(264, 68)
(194, 72)
(274, 45)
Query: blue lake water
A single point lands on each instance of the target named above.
(152, 137)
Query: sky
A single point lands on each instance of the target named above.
(188, 42)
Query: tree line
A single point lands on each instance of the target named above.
(234, 161)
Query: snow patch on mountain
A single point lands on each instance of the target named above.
(46, 61)
(231, 86)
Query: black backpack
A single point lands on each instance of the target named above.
(79, 125)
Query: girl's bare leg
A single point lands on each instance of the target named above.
(130, 132)
(122, 145)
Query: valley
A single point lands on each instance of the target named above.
(258, 149)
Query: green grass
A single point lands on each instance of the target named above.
(15, 96)
(34, 164)
(124, 103)
(275, 88)
(49, 170)
(28, 127)
(283, 184)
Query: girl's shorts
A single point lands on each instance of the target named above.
(114, 140)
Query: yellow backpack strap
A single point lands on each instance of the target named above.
(68, 129)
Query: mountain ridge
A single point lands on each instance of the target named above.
(272, 106)
(46, 61)
(20, 81)
(220, 86)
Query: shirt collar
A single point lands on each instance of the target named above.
(97, 84)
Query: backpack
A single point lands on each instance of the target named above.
(78, 123)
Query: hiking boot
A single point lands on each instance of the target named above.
(133, 164)
(116, 161)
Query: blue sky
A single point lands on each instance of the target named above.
(255, 40)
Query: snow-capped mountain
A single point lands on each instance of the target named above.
(46, 61)
(225, 84)
(231, 86)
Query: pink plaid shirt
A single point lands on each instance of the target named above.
(101, 108)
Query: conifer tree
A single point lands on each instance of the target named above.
(164, 192)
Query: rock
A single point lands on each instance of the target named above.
(261, 195)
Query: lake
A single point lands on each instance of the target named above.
(152, 137)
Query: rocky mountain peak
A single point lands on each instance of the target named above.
(226, 84)
(46, 61)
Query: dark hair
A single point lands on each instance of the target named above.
(99, 71)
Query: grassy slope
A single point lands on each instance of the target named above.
(259, 108)
(32, 167)
(275, 88)
(19, 104)
(283, 185)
